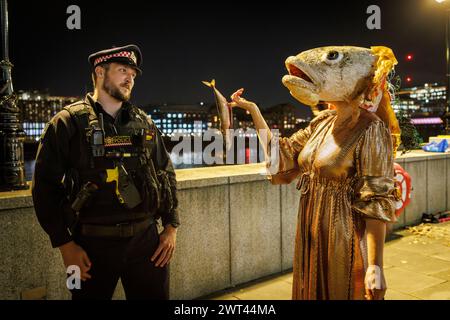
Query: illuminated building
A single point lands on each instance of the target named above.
(425, 101)
(37, 109)
(424, 105)
(179, 119)
(285, 117)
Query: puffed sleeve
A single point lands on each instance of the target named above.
(289, 149)
(374, 186)
(283, 167)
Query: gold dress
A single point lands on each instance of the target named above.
(346, 176)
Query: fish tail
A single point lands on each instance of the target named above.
(211, 84)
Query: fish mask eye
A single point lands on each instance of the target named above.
(333, 56)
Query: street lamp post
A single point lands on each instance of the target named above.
(447, 57)
(12, 136)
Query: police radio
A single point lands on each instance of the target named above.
(97, 139)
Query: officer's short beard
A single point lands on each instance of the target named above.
(114, 91)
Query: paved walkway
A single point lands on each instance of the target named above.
(416, 263)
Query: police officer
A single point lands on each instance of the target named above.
(102, 179)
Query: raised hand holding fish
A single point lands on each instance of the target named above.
(258, 120)
(239, 101)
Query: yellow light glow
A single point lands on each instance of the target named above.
(440, 1)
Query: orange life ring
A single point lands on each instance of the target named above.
(403, 187)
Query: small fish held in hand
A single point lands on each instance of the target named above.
(224, 111)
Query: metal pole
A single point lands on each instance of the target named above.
(5, 30)
(12, 136)
(447, 56)
(5, 64)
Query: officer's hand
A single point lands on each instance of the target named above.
(166, 248)
(74, 255)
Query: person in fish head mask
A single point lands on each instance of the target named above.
(344, 162)
(110, 177)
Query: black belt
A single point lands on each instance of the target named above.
(120, 230)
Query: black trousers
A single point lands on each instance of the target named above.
(127, 259)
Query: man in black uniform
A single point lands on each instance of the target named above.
(102, 178)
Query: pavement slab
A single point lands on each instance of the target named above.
(437, 292)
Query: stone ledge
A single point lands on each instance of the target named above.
(420, 155)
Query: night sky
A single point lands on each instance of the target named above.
(238, 45)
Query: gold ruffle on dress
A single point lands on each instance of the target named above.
(346, 175)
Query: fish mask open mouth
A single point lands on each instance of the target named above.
(301, 82)
(297, 72)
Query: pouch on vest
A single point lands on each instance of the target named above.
(128, 190)
(167, 194)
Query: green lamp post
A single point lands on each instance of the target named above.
(12, 136)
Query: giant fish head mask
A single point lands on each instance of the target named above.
(335, 73)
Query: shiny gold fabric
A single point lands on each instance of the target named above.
(346, 176)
